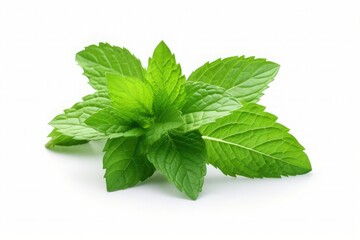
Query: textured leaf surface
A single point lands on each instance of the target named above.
(250, 143)
(58, 139)
(132, 98)
(182, 159)
(109, 122)
(165, 77)
(126, 163)
(205, 103)
(244, 78)
(99, 60)
(72, 122)
(170, 118)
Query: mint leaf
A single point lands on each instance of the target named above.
(109, 122)
(72, 122)
(104, 58)
(58, 139)
(244, 78)
(125, 163)
(166, 79)
(132, 98)
(250, 143)
(168, 120)
(181, 157)
(205, 103)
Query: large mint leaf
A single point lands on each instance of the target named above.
(181, 157)
(205, 103)
(131, 98)
(97, 60)
(250, 142)
(126, 163)
(244, 78)
(166, 79)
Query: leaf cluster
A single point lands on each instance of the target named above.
(155, 119)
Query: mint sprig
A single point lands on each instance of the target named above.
(154, 119)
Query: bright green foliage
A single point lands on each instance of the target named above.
(205, 103)
(251, 143)
(132, 98)
(181, 157)
(125, 163)
(104, 58)
(244, 78)
(166, 79)
(155, 119)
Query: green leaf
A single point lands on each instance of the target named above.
(132, 98)
(167, 120)
(126, 163)
(109, 122)
(244, 78)
(205, 103)
(99, 60)
(250, 142)
(58, 139)
(181, 157)
(166, 79)
(72, 122)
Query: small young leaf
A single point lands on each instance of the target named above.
(58, 139)
(72, 122)
(125, 163)
(104, 58)
(181, 157)
(169, 119)
(132, 98)
(166, 79)
(205, 103)
(244, 78)
(109, 122)
(250, 143)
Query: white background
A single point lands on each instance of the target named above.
(62, 195)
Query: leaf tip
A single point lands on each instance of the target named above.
(162, 43)
(49, 145)
(308, 167)
(111, 186)
(193, 198)
(192, 195)
(162, 47)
